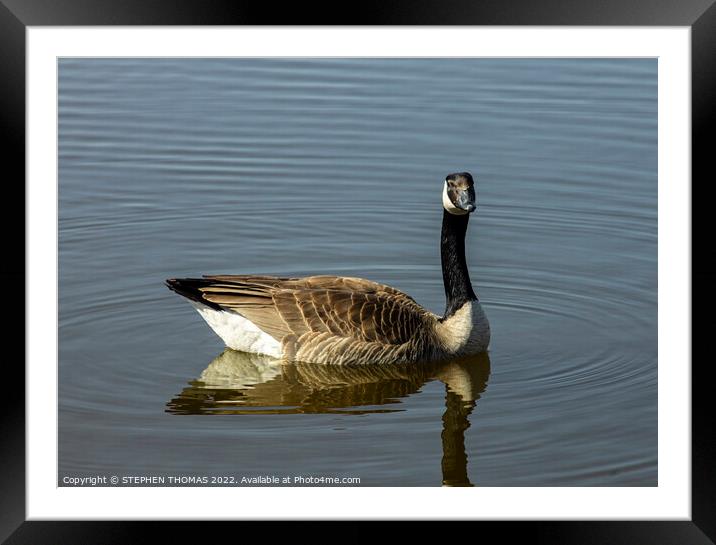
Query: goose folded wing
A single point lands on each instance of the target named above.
(327, 282)
(390, 318)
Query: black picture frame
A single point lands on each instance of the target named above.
(17, 15)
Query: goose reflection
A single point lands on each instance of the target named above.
(242, 383)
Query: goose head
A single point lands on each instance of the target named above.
(459, 194)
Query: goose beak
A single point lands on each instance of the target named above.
(466, 200)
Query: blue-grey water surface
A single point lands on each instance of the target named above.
(183, 167)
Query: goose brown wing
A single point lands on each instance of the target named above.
(341, 283)
(346, 307)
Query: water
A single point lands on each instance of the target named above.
(182, 167)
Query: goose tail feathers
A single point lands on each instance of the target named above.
(190, 288)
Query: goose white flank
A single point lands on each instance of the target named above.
(345, 320)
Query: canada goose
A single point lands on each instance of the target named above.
(343, 320)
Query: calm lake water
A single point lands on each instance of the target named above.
(183, 167)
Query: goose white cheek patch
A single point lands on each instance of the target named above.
(449, 206)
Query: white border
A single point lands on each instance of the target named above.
(670, 500)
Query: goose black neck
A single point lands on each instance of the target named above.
(458, 289)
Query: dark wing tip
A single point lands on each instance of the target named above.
(189, 288)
